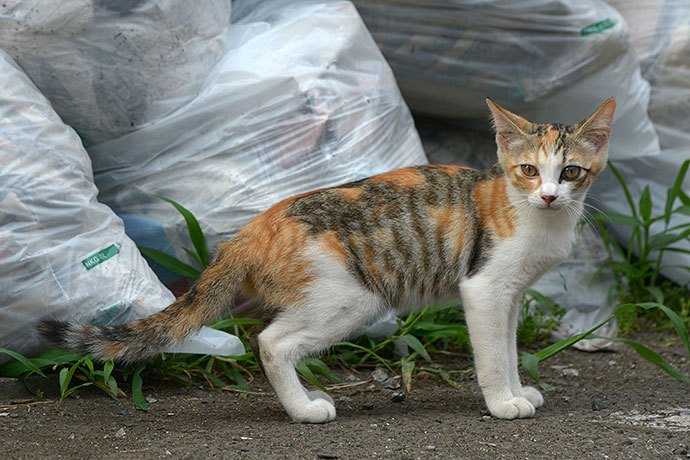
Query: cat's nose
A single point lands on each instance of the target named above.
(549, 198)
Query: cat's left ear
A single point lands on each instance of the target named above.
(595, 130)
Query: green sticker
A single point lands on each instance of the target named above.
(101, 256)
(598, 27)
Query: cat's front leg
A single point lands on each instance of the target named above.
(488, 312)
(532, 394)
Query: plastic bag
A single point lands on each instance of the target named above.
(112, 66)
(545, 59)
(290, 107)
(61, 252)
(661, 33)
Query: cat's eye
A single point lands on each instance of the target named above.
(571, 172)
(529, 170)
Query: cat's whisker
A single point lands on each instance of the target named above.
(588, 222)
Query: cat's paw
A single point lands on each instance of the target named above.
(518, 407)
(532, 395)
(318, 394)
(316, 411)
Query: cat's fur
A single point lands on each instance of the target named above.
(330, 261)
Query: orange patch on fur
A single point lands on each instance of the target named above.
(495, 211)
(450, 225)
(449, 169)
(272, 245)
(332, 243)
(549, 138)
(350, 194)
(406, 177)
(370, 258)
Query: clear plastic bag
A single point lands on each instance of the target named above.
(545, 59)
(290, 107)
(660, 30)
(62, 253)
(111, 66)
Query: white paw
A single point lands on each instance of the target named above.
(316, 411)
(533, 395)
(513, 408)
(318, 394)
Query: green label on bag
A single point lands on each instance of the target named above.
(598, 27)
(101, 256)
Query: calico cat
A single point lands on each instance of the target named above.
(328, 262)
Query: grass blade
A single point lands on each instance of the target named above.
(194, 257)
(670, 198)
(646, 204)
(112, 384)
(232, 322)
(416, 345)
(170, 263)
(30, 367)
(108, 367)
(318, 366)
(65, 379)
(685, 199)
(615, 218)
(662, 240)
(628, 197)
(303, 368)
(137, 387)
(530, 364)
(71, 390)
(194, 229)
(651, 356)
(656, 293)
(678, 184)
(406, 369)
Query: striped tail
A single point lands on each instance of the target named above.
(143, 338)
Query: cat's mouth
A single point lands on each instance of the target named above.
(549, 207)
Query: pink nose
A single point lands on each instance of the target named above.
(549, 198)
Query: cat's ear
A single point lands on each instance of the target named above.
(511, 129)
(595, 130)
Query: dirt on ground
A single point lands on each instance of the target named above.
(607, 405)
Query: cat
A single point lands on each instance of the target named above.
(330, 261)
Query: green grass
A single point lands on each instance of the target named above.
(437, 330)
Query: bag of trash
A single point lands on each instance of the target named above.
(545, 59)
(660, 31)
(111, 66)
(62, 253)
(290, 107)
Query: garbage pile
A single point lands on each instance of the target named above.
(227, 117)
(227, 109)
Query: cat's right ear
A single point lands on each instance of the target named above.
(511, 129)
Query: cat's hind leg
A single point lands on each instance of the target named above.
(336, 306)
(281, 347)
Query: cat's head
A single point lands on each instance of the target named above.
(552, 165)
